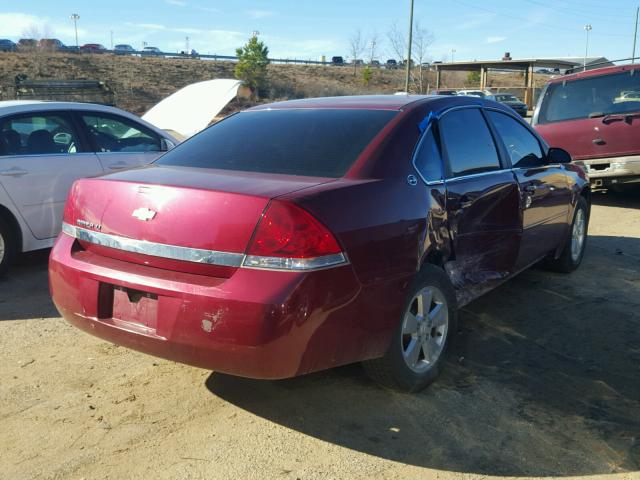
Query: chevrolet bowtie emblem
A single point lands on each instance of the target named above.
(144, 214)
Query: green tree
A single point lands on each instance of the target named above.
(252, 64)
(473, 79)
(367, 73)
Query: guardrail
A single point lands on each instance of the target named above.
(213, 57)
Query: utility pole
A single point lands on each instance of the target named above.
(75, 17)
(453, 50)
(635, 36)
(408, 72)
(373, 47)
(588, 28)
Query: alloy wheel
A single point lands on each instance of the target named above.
(424, 329)
(578, 235)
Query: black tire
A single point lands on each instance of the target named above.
(392, 370)
(567, 262)
(8, 241)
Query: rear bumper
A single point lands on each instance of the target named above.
(257, 323)
(612, 170)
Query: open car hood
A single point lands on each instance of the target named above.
(192, 108)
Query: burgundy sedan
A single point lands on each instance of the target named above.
(302, 235)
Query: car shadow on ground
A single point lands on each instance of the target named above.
(24, 292)
(627, 199)
(543, 380)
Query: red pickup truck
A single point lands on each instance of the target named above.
(595, 116)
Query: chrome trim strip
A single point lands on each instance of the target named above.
(293, 264)
(196, 255)
(474, 175)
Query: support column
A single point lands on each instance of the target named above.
(483, 77)
(438, 72)
(528, 83)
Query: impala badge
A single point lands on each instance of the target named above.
(144, 214)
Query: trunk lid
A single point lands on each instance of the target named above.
(198, 209)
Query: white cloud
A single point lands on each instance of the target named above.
(146, 26)
(259, 13)
(495, 39)
(18, 25)
(475, 20)
(15, 24)
(177, 3)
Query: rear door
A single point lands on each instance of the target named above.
(593, 117)
(119, 142)
(544, 190)
(41, 155)
(483, 203)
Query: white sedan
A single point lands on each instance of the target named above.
(45, 146)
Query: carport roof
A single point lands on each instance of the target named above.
(519, 64)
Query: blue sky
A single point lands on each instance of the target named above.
(308, 29)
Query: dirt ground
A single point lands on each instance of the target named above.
(544, 380)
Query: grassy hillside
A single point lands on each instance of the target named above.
(139, 83)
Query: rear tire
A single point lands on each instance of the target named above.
(425, 330)
(8, 246)
(576, 242)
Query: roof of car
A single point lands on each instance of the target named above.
(371, 102)
(595, 72)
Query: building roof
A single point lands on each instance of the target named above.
(562, 63)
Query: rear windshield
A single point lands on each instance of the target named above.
(310, 142)
(591, 97)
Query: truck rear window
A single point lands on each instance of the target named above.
(591, 97)
(309, 142)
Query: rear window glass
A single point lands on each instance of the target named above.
(310, 142)
(591, 97)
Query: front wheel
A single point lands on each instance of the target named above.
(416, 354)
(575, 245)
(7, 247)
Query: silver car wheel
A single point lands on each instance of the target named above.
(2, 248)
(578, 235)
(424, 329)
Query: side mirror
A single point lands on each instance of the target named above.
(558, 155)
(166, 145)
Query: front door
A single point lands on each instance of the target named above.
(483, 205)
(41, 155)
(545, 193)
(119, 142)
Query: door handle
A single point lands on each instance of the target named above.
(117, 165)
(13, 172)
(598, 141)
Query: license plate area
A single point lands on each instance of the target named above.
(135, 306)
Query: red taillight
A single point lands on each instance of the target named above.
(288, 231)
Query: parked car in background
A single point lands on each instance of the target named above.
(391, 64)
(92, 48)
(346, 230)
(445, 91)
(45, 147)
(51, 45)
(595, 116)
(511, 101)
(375, 63)
(7, 45)
(151, 52)
(475, 93)
(27, 44)
(124, 49)
(337, 60)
